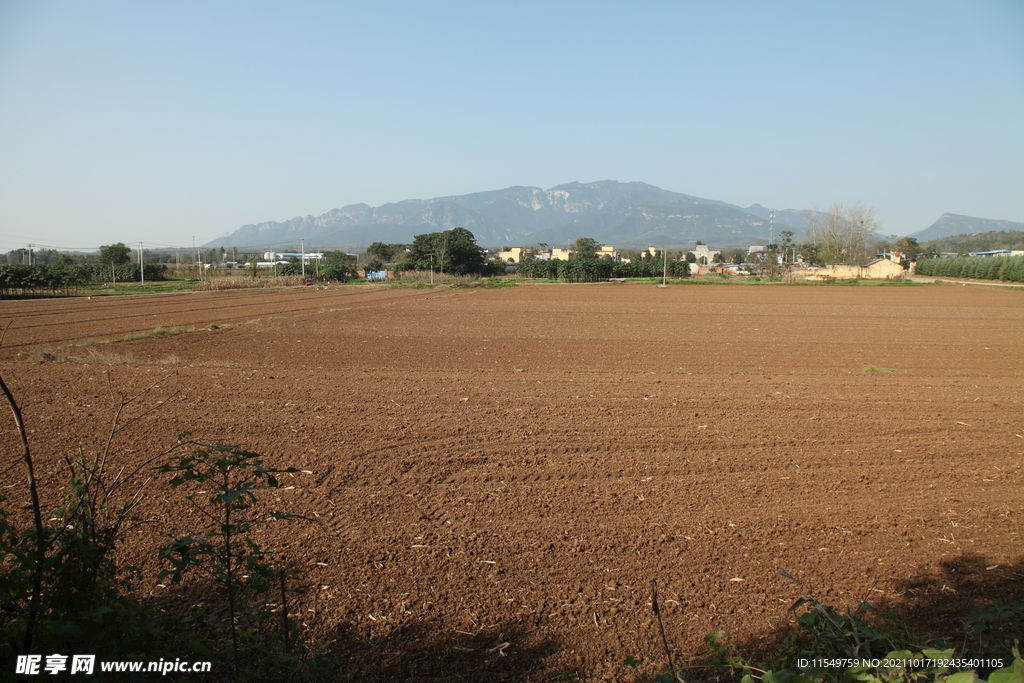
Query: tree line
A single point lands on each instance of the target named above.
(985, 241)
(44, 279)
(839, 235)
(1006, 268)
(22, 256)
(593, 270)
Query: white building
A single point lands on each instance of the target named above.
(701, 251)
(282, 256)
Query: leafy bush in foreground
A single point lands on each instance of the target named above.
(61, 590)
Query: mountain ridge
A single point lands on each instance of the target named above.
(627, 214)
(630, 215)
(950, 224)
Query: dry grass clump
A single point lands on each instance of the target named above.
(84, 354)
(99, 351)
(99, 356)
(106, 356)
(214, 284)
(415, 278)
(424, 277)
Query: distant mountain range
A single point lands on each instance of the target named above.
(950, 224)
(631, 215)
(624, 214)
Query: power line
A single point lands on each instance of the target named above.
(153, 246)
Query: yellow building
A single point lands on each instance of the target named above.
(513, 255)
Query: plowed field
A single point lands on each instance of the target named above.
(497, 475)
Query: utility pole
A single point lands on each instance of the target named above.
(199, 261)
(142, 267)
(302, 240)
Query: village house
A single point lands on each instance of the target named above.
(701, 251)
(513, 255)
(875, 269)
(882, 269)
(517, 254)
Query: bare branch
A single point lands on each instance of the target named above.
(37, 515)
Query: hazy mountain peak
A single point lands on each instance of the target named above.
(632, 214)
(956, 224)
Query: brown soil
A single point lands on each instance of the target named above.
(499, 474)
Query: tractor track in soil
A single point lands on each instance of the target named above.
(65, 321)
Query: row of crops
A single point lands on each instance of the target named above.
(1006, 268)
(594, 270)
(21, 281)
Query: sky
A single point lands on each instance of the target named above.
(164, 123)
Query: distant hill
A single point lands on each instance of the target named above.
(982, 241)
(627, 215)
(624, 214)
(955, 224)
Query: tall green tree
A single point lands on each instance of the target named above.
(785, 240)
(908, 245)
(384, 252)
(453, 251)
(115, 255)
(586, 248)
(811, 254)
(339, 266)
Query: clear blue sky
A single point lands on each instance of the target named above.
(158, 122)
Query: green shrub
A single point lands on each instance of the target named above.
(61, 590)
(224, 483)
